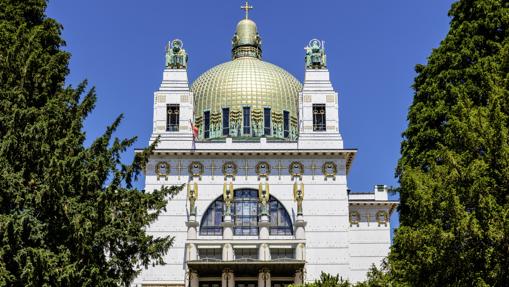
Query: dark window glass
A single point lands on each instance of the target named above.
(319, 117)
(246, 112)
(266, 121)
(226, 121)
(206, 123)
(286, 124)
(245, 211)
(172, 118)
(280, 222)
(282, 253)
(246, 253)
(210, 253)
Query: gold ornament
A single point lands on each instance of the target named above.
(296, 169)
(162, 170)
(382, 217)
(262, 169)
(354, 218)
(263, 194)
(192, 195)
(195, 169)
(329, 169)
(230, 169)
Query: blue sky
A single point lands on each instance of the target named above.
(372, 47)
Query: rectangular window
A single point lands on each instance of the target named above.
(266, 121)
(172, 118)
(286, 124)
(319, 117)
(246, 112)
(206, 124)
(226, 121)
(210, 253)
(282, 253)
(246, 253)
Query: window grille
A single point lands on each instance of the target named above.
(319, 117)
(172, 118)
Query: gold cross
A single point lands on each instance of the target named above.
(246, 8)
(246, 168)
(212, 167)
(279, 168)
(179, 168)
(313, 169)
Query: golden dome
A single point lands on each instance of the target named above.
(247, 81)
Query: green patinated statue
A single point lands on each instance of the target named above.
(176, 56)
(315, 55)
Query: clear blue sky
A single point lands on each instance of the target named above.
(372, 47)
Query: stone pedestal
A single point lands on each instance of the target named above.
(264, 278)
(300, 231)
(227, 227)
(227, 278)
(192, 226)
(263, 226)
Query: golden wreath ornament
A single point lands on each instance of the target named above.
(262, 169)
(229, 169)
(382, 217)
(162, 170)
(329, 169)
(296, 169)
(354, 218)
(195, 169)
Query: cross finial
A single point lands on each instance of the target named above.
(246, 8)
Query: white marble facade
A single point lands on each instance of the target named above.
(338, 232)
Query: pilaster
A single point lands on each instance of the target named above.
(227, 278)
(264, 279)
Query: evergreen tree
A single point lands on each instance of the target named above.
(454, 167)
(69, 215)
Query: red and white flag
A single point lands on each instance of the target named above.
(194, 129)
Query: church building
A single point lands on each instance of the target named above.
(265, 201)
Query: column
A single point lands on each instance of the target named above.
(227, 278)
(299, 277)
(264, 278)
(193, 278)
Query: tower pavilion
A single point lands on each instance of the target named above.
(266, 201)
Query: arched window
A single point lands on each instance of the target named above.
(245, 211)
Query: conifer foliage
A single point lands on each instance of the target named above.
(69, 215)
(454, 167)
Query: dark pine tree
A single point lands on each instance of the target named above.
(69, 215)
(454, 167)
